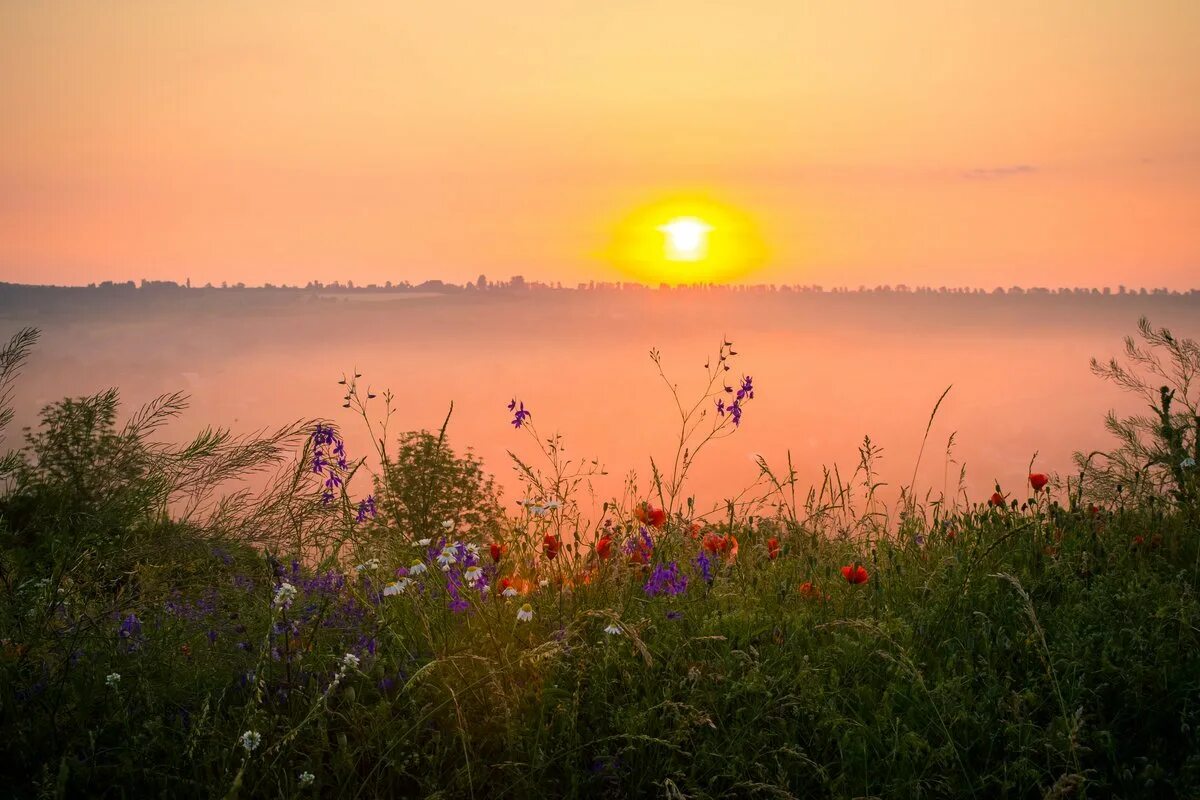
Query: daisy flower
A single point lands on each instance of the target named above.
(525, 613)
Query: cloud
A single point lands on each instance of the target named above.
(996, 173)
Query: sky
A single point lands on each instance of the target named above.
(926, 143)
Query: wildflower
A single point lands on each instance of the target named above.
(705, 565)
(855, 573)
(544, 582)
(396, 587)
(130, 628)
(551, 544)
(674, 615)
(807, 589)
(284, 595)
(650, 515)
(113, 679)
(613, 629)
(350, 661)
(448, 524)
(510, 591)
(472, 574)
(368, 565)
(520, 415)
(447, 557)
(746, 392)
(306, 778)
(251, 740)
(773, 548)
(666, 579)
(604, 546)
(497, 551)
(537, 510)
(366, 508)
(996, 500)
(417, 568)
(553, 505)
(1038, 480)
(423, 542)
(735, 413)
(1188, 463)
(525, 613)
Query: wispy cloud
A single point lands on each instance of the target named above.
(996, 173)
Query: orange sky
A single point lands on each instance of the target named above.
(872, 142)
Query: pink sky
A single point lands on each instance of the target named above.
(872, 142)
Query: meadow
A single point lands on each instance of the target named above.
(368, 616)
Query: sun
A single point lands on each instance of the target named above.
(686, 239)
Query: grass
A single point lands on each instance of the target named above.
(1045, 646)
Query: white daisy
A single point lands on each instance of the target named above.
(306, 778)
(448, 524)
(554, 505)
(396, 587)
(447, 557)
(472, 575)
(417, 568)
(113, 679)
(510, 592)
(613, 629)
(525, 613)
(350, 661)
(423, 542)
(251, 740)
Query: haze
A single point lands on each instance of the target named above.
(828, 369)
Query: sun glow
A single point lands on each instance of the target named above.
(686, 240)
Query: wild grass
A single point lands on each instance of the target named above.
(392, 630)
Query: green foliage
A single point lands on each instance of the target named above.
(426, 483)
(1157, 454)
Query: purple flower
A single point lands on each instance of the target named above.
(705, 565)
(673, 615)
(735, 411)
(721, 406)
(746, 392)
(366, 508)
(666, 579)
(520, 415)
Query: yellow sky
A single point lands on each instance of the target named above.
(871, 142)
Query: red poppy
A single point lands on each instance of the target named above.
(855, 573)
(1038, 480)
(714, 543)
(1093, 510)
(551, 545)
(808, 590)
(996, 500)
(649, 515)
(694, 529)
(497, 550)
(1139, 540)
(604, 546)
(772, 548)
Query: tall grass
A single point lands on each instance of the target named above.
(387, 628)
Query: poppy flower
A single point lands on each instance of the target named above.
(604, 546)
(551, 544)
(1038, 480)
(497, 550)
(694, 530)
(996, 500)
(855, 573)
(808, 590)
(650, 515)
(773, 548)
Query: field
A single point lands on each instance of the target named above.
(373, 620)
